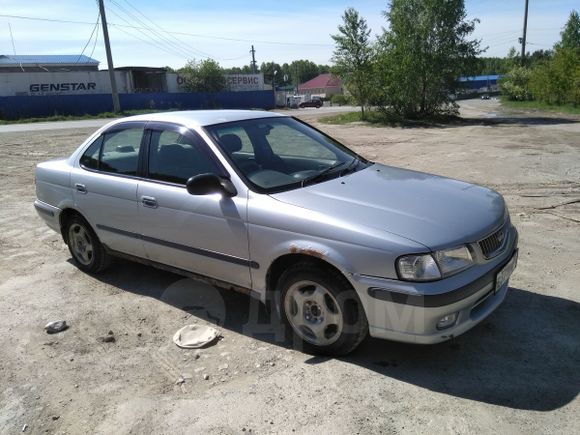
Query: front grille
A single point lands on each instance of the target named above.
(492, 245)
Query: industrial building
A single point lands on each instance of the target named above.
(80, 75)
(32, 86)
(47, 63)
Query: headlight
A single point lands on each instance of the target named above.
(418, 268)
(453, 260)
(427, 267)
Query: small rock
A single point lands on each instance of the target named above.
(76, 385)
(55, 417)
(223, 367)
(258, 366)
(57, 326)
(139, 334)
(110, 333)
(272, 364)
(196, 355)
(26, 427)
(206, 377)
(180, 381)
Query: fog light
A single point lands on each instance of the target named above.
(447, 322)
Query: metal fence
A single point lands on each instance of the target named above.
(17, 107)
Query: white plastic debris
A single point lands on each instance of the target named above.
(57, 326)
(195, 336)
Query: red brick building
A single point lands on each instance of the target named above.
(324, 86)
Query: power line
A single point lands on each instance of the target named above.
(155, 34)
(179, 41)
(90, 38)
(149, 40)
(195, 35)
(96, 38)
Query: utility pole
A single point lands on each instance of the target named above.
(524, 36)
(253, 59)
(114, 92)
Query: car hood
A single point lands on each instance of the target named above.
(434, 211)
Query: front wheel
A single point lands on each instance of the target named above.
(322, 310)
(87, 251)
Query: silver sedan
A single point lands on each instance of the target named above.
(268, 205)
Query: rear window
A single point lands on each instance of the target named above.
(116, 152)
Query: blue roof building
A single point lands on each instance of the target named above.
(47, 63)
(478, 82)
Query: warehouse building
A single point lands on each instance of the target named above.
(44, 75)
(47, 63)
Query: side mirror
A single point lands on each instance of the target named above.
(205, 184)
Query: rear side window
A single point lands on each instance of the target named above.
(116, 152)
(175, 158)
(90, 158)
(120, 151)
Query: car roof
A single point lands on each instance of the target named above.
(201, 118)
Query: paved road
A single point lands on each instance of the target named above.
(96, 123)
(56, 125)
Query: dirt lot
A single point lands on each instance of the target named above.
(517, 372)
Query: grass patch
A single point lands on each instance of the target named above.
(104, 115)
(540, 106)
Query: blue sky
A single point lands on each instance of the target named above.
(225, 29)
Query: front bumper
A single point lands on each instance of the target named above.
(409, 312)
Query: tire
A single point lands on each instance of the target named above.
(321, 311)
(88, 253)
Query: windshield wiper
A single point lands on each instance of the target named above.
(322, 174)
(351, 165)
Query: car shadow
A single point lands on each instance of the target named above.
(524, 356)
(493, 120)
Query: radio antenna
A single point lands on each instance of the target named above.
(14, 46)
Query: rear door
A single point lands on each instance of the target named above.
(204, 234)
(105, 186)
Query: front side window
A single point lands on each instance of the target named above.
(275, 154)
(175, 158)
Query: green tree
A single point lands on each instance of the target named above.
(424, 51)
(268, 69)
(353, 57)
(516, 84)
(557, 79)
(303, 70)
(571, 33)
(203, 76)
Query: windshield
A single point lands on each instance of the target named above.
(275, 154)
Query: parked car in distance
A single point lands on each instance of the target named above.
(485, 97)
(265, 204)
(313, 102)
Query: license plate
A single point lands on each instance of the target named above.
(504, 274)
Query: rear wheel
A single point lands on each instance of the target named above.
(87, 251)
(322, 310)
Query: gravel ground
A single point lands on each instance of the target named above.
(517, 372)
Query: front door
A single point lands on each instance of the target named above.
(204, 234)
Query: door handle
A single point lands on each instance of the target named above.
(149, 201)
(81, 188)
